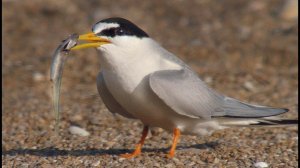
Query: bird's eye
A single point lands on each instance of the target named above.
(119, 31)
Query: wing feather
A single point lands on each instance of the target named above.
(186, 93)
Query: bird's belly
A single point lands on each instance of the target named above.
(140, 102)
(144, 104)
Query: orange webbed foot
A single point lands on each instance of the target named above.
(136, 152)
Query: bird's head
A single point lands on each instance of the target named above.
(111, 31)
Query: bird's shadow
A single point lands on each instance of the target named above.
(52, 151)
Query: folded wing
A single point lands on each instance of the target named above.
(187, 94)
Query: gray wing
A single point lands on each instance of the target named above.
(108, 99)
(187, 94)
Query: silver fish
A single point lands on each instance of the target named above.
(58, 59)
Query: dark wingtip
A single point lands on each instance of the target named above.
(284, 110)
(279, 122)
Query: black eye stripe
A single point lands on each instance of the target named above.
(107, 32)
(112, 32)
(119, 31)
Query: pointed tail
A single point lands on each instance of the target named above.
(250, 122)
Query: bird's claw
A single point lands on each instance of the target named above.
(130, 155)
(170, 155)
(136, 152)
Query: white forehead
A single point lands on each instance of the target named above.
(101, 26)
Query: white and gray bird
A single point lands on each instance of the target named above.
(140, 79)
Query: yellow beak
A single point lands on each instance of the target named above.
(93, 40)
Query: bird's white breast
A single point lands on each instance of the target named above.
(125, 67)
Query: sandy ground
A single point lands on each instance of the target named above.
(244, 49)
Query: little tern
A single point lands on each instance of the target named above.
(140, 79)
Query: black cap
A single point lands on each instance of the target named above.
(126, 28)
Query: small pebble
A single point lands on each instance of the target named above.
(37, 76)
(121, 159)
(169, 165)
(25, 165)
(260, 164)
(281, 136)
(216, 161)
(175, 159)
(78, 131)
(96, 163)
(86, 163)
(156, 164)
(208, 79)
(249, 86)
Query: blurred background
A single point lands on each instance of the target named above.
(245, 49)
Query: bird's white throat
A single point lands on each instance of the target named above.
(127, 61)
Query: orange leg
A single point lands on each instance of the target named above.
(138, 148)
(176, 135)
